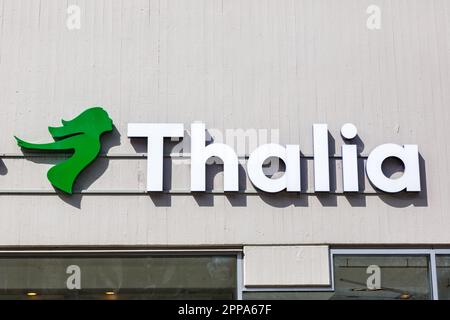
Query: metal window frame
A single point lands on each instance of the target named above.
(430, 253)
(155, 252)
(238, 253)
(124, 251)
(437, 252)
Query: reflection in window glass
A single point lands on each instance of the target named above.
(443, 276)
(126, 277)
(381, 277)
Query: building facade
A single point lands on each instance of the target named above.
(253, 72)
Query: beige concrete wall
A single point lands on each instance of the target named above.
(232, 64)
(274, 266)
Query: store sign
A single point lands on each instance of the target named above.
(290, 154)
(82, 136)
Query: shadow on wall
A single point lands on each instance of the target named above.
(286, 199)
(161, 199)
(405, 199)
(239, 199)
(3, 168)
(88, 176)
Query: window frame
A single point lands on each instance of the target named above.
(430, 253)
(237, 253)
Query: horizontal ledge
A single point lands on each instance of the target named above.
(155, 251)
(180, 192)
(129, 155)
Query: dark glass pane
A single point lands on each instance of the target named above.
(443, 276)
(381, 277)
(126, 277)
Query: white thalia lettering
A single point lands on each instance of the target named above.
(290, 181)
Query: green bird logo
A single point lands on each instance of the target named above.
(81, 136)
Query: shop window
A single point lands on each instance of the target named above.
(381, 277)
(443, 276)
(118, 277)
(370, 277)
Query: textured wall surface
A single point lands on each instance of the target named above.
(286, 266)
(271, 64)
